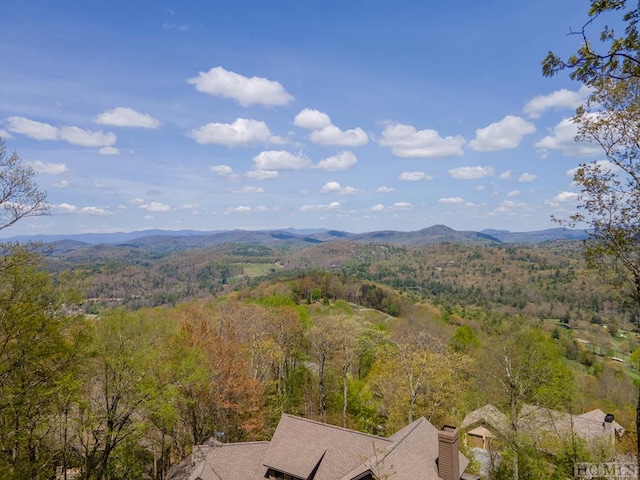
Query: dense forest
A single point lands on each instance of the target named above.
(118, 366)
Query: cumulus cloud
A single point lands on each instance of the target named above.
(313, 208)
(336, 188)
(279, 160)
(471, 173)
(340, 161)
(244, 90)
(155, 207)
(527, 177)
(32, 129)
(414, 176)
(560, 99)
(604, 166)
(502, 135)
(312, 119)
(222, 170)
(65, 208)
(451, 200)
(383, 189)
(72, 135)
(108, 151)
(127, 117)
(241, 132)
(333, 136)
(562, 197)
(262, 174)
(4, 134)
(407, 142)
(513, 193)
(563, 138)
(238, 209)
(402, 206)
(98, 211)
(86, 138)
(506, 175)
(377, 208)
(50, 168)
(249, 190)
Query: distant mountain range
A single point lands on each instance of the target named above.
(168, 240)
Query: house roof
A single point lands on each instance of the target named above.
(545, 422)
(312, 450)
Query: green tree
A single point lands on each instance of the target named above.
(617, 55)
(40, 347)
(523, 366)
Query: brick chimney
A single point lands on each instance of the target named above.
(448, 454)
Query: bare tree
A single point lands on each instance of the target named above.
(20, 196)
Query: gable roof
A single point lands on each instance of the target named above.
(312, 450)
(340, 449)
(546, 423)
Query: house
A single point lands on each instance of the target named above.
(485, 426)
(306, 449)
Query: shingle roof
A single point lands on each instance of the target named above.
(309, 449)
(340, 449)
(546, 424)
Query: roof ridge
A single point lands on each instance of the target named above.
(349, 430)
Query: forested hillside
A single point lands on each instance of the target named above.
(364, 336)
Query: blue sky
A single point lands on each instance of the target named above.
(352, 115)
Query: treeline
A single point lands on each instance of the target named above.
(539, 281)
(124, 395)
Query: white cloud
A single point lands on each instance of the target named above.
(330, 206)
(241, 132)
(72, 135)
(126, 117)
(249, 190)
(563, 139)
(86, 138)
(62, 184)
(108, 151)
(509, 206)
(32, 129)
(50, 168)
(560, 99)
(335, 187)
(402, 206)
(4, 134)
(605, 166)
(502, 135)
(471, 173)
(333, 136)
(451, 200)
(414, 176)
(222, 170)
(506, 175)
(527, 177)
(244, 90)
(513, 193)
(377, 208)
(262, 174)
(136, 201)
(279, 160)
(312, 119)
(562, 197)
(239, 209)
(383, 189)
(155, 207)
(407, 142)
(340, 161)
(65, 208)
(98, 211)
